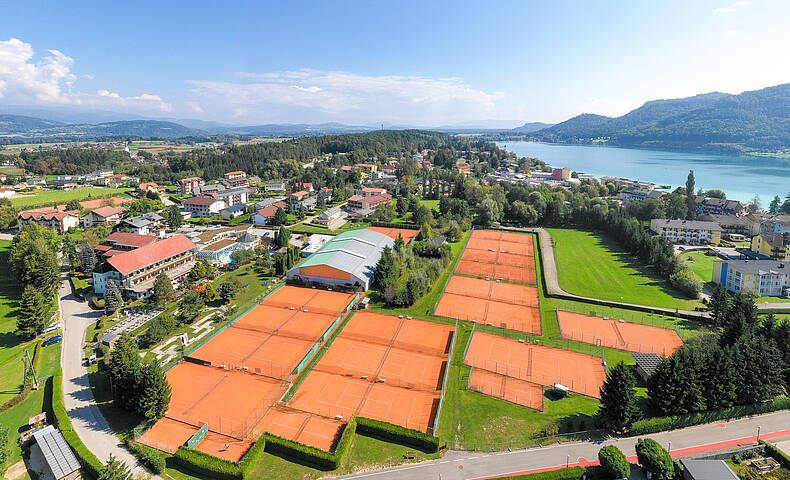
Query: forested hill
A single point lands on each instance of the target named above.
(31, 127)
(266, 159)
(756, 120)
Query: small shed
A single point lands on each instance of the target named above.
(707, 470)
(646, 364)
(110, 339)
(57, 453)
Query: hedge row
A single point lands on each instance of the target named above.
(150, 457)
(397, 434)
(778, 455)
(311, 455)
(572, 473)
(661, 424)
(87, 459)
(253, 455)
(206, 464)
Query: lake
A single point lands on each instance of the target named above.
(741, 177)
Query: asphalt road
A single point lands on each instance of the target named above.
(690, 441)
(87, 419)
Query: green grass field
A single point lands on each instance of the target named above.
(699, 263)
(46, 197)
(591, 265)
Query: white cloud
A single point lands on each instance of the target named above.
(313, 95)
(731, 8)
(733, 32)
(50, 81)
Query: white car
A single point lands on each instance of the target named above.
(52, 326)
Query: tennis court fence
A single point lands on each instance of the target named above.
(588, 388)
(537, 441)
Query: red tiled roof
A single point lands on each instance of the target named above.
(144, 186)
(130, 239)
(268, 211)
(103, 248)
(355, 198)
(109, 211)
(44, 214)
(373, 189)
(142, 257)
(190, 180)
(200, 201)
(281, 204)
(300, 193)
(236, 172)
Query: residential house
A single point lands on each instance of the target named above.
(369, 203)
(638, 194)
(146, 187)
(778, 223)
(51, 217)
(145, 224)
(766, 278)
(772, 245)
(234, 182)
(6, 193)
(328, 216)
(275, 186)
(233, 211)
(186, 186)
(217, 245)
(719, 206)
(326, 193)
(236, 174)
(264, 215)
(208, 188)
(103, 215)
(203, 206)
(462, 167)
(68, 186)
(689, 232)
(561, 173)
(366, 167)
(370, 191)
(231, 196)
(747, 225)
(135, 271)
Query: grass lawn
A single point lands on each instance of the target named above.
(10, 345)
(63, 196)
(700, 264)
(591, 265)
(430, 204)
(16, 418)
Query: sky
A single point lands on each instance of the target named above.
(419, 63)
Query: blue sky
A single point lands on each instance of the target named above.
(416, 63)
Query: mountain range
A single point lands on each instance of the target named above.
(750, 121)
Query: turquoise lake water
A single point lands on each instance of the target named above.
(741, 177)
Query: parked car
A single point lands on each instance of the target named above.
(52, 341)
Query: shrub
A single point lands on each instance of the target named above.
(397, 434)
(572, 473)
(654, 458)
(613, 462)
(253, 456)
(778, 455)
(661, 424)
(151, 458)
(206, 464)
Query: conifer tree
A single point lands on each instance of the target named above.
(113, 299)
(619, 409)
(154, 392)
(33, 313)
(125, 370)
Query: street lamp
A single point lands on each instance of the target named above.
(758, 433)
(669, 447)
(567, 461)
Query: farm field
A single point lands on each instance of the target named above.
(62, 196)
(591, 265)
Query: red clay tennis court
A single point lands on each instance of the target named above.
(337, 396)
(539, 364)
(508, 273)
(311, 299)
(608, 332)
(299, 324)
(168, 434)
(303, 427)
(403, 333)
(261, 353)
(516, 243)
(406, 233)
(231, 402)
(487, 312)
(492, 290)
(513, 390)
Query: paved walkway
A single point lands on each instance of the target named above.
(87, 419)
(685, 442)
